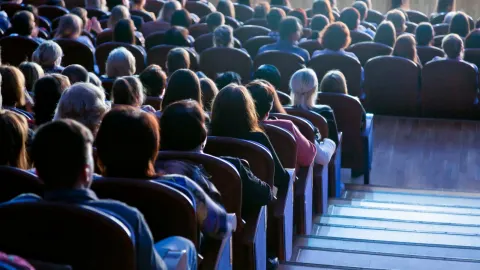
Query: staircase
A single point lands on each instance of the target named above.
(390, 228)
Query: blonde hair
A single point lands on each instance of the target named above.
(169, 8)
(304, 86)
(120, 62)
(70, 26)
(118, 13)
(223, 36)
(83, 102)
(48, 54)
(98, 4)
(334, 82)
(32, 72)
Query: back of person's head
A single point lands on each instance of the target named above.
(274, 17)
(460, 25)
(301, 15)
(127, 143)
(261, 10)
(424, 34)
(444, 6)
(47, 92)
(70, 26)
(128, 90)
(83, 102)
(350, 17)
(398, 19)
(13, 139)
(319, 22)
(473, 40)
(32, 72)
(118, 13)
(168, 9)
(96, 4)
(12, 87)
(227, 78)
(323, 7)
(452, 45)
(401, 4)
(362, 9)
(214, 20)
(154, 80)
(334, 82)
(61, 152)
(406, 47)
(182, 84)
(182, 126)
(181, 18)
(94, 79)
(233, 112)
(82, 14)
(303, 87)
(76, 73)
(270, 74)
(223, 36)
(23, 23)
(124, 31)
(386, 34)
(263, 96)
(177, 36)
(290, 29)
(335, 36)
(226, 8)
(367, 2)
(120, 62)
(209, 91)
(177, 58)
(112, 4)
(49, 54)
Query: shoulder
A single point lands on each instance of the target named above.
(26, 197)
(282, 123)
(321, 108)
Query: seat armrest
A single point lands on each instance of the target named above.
(368, 125)
(176, 260)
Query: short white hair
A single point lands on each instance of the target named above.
(85, 103)
(48, 54)
(223, 36)
(120, 62)
(304, 87)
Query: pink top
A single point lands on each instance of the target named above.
(306, 150)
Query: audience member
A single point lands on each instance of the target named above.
(227, 78)
(398, 19)
(214, 20)
(124, 31)
(319, 22)
(13, 140)
(96, 4)
(139, 5)
(227, 8)
(154, 81)
(32, 72)
(85, 103)
(120, 62)
(70, 27)
(127, 90)
(323, 7)
(424, 34)
(181, 18)
(351, 18)
(335, 39)
(209, 92)
(13, 92)
(261, 10)
(76, 73)
(406, 47)
(223, 37)
(118, 13)
(177, 58)
(274, 18)
(365, 26)
(281, 3)
(460, 25)
(23, 24)
(94, 79)
(443, 7)
(367, 2)
(386, 34)
(178, 36)
(47, 93)
(164, 18)
(270, 74)
(182, 84)
(49, 56)
(290, 32)
(301, 15)
(472, 41)
(452, 45)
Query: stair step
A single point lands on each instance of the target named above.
(388, 224)
(434, 192)
(440, 251)
(308, 266)
(410, 215)
(397, 236)
(381, 260)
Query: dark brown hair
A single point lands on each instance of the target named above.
(47, 92)
(13, 85)
(13, 137)
(323, 7)
(335, 36)
(183, 84)
(154, 80)
(124, 31)
(406, 47)
(265, 97)
(209, 92)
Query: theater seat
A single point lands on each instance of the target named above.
(213, 61)
(411, 27)
(102, 52)
(15, 182)
(198, 29)
(367, 50)
(79, 236)
(472, 56)
(311, 46)
(16, 49)
(243, 13)
(426, 54)
(416, 16)
(358, 37)
(255, 43)
(147, 17)
(375, 17)
(246, 32)
(198, 8)
(154, 6)
(437, 18)
(52, 12)
(259, 22)
(441, 29)
(158, 55)
(75, 52)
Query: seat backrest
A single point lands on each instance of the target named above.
(284, 98)
(472, 56)
(158, 55)
(411, 27)
(426, 54)
(437, 41)
(198, 8)
(66, 235)
(437, 18)
(95, 12)
(243, 13)
(75, 52)
(155, 39)
(36, 2)
(222, 174)
(286, 63)
(104, 37)
(144, 15)
(375, 17)
(102, 51)
(416, 16)
(255, 43)
(155, 102)
(392, 86)
(358, 37)
(10, 8)
(367, 50)
(258, 157)
(350, 67)
(285, 8)
(246, 32)
(441, 29)
(15, 182)
(212, 62)
(284, 143)
(203, 42)
(16, 49)
(311, 46)
(232, 22)
(52, 12)
(255, 21)
(306, 128)
(448, 89)
(168, 212)
(107, 84)
(314, 118)
(71, 4)
(198, 29)
(154, 6)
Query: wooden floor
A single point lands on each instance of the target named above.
(425, 154)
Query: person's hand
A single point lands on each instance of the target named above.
(95, 25)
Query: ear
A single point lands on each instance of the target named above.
(86, 176)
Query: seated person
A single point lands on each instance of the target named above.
(335, 39)
(120, 62)
(184, 128)
(118, 13)
(124, 125)
(32, 72)
(472, 41)
(139, 5)
(398, 19)
(452, 45)
(261, 10)
(386, 34)
(88, 25)
(164, 18)
(460, 25)
(209, 92)
(47, 92)
(23, 24)
(49, 56)
(223, 37)
(227, 8)
(76, 73)
(323, 7)
(406, 47)
(351, 18)
(362, 9)
(62, 154)
(183, 84)
(96, 4)
(13, 140)
(443, 7)
(274, 18)
(13, 94)
(178, 36)
(307, 152)
(290, 33)
(214, 20)
(153, 80)
(424, 34)
(127, 90)
(124, 31)
(70, 27)
(177, 58)
(301, 15)
(227, 78)
(319, 22)
(270, 74)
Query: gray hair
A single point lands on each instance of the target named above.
(223, 36)
(120, 62)
(48, 54)
(96, 4)
(304, 86)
